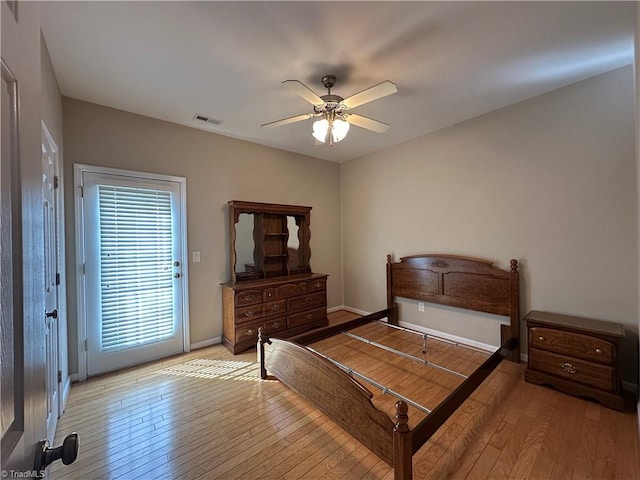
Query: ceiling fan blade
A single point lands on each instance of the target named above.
(286, 121)
(305, 92)
(368, 123)
(370, 94)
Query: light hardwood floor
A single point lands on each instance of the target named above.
(206, 415)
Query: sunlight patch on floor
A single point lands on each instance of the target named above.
(220, 369)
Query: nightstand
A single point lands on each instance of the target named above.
(578, 356)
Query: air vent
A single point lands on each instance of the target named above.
(204, 118)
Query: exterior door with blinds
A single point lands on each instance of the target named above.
(133, 272)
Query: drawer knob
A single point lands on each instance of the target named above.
(249, 313)
(249, 333)
(318, 284)
(276, 307)
(276, 325)
(567, 367)
(541, 338)
(249, 298)
(308, 316)
(598, 351)
(308, 300)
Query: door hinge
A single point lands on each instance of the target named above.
(55, 182)
(85, 345)
(57, 279)
(81, 192)
(59, 376)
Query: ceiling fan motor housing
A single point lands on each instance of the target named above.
(328, 81)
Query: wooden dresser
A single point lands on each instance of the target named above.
(271, 284)
(578, 356)
(283, 307)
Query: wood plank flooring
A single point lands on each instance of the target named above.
(205, 415)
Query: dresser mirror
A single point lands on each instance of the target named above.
(268, 240)
(293, 243)
(245, 264)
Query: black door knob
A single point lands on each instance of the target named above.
(53, 314)
(68, 452)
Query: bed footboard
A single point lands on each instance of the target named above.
(341, 398)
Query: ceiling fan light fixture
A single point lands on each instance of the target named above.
(339, 129)
(320, 128)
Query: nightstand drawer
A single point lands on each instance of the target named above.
(575, 344)
(587, 373)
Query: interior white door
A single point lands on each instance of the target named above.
(133, 271)
(49, 212)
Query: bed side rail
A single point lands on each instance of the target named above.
(326, 332)
(427, 427)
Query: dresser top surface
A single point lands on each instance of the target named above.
(587, 325)
(265, 282)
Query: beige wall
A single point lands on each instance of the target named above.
(217, 169)
(550, 181)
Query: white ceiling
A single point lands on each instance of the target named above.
(451, 61)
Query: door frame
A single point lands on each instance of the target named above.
(57, 409)
(78, 171)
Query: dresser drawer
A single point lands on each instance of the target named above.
(307, 317)
(285, 291)
(273, 308)
(275, 326)
(248, 333)
(248, 297)
(306, 301)
(319, 285)
(571, 343)
(246, 314)
(563, 366)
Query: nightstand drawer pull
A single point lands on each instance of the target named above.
(249, 298)
(249, 313)
(599, 351)
(249, 333)
(275, 306)
(541, 338)
(567, 367)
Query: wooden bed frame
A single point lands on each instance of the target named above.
(462, 282)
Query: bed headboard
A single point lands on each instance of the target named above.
(457, 281)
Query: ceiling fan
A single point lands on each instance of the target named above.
(335, 110)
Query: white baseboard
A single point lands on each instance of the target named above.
(74, 377)
(206, 343)
(452, 338)
(348, 309)
(66, 390)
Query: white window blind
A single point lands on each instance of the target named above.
(135, 271)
